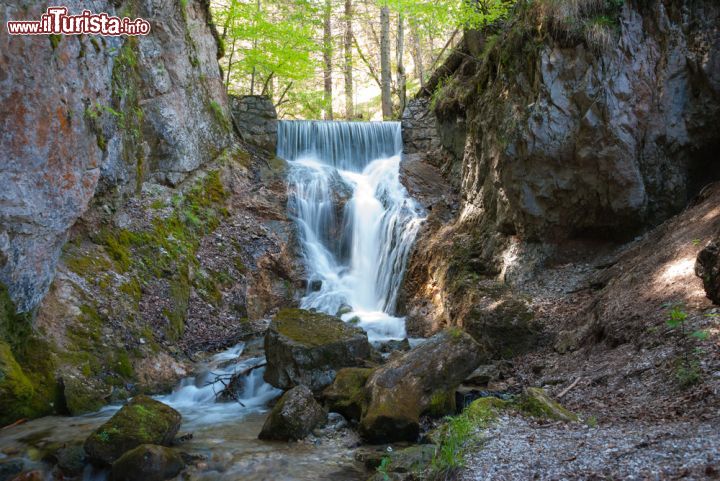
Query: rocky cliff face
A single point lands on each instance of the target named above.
(98, 114)
(573, 120)
(177, 233)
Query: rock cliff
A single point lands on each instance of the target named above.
(98, 114)
(569, 122)
(135, 227)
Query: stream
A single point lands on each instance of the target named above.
(357, 225)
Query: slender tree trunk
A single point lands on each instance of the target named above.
(254, 70)
(327, 59)
(230, 63)
(349, 107)
(385, 75)
(399, 49)
(417, 55)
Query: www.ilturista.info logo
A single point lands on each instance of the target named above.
(56, 21)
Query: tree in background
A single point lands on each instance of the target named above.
(288, 50)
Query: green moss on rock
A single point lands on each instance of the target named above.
(536, 403)
(142, 421)
(27, 384)
(346, 395)
(312, 328)
(147, 462)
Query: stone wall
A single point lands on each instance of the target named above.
(256, 120)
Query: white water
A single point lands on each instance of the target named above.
(356, 253)
(195, 397)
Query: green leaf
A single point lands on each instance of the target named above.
(700, 335)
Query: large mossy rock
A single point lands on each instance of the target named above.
(536, 402)
(346, 395)
(142, 421)
(294, 416)
(308, 348)
(707, 267)
(423, 381)
(147, 462)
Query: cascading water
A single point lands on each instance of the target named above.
(357, 222)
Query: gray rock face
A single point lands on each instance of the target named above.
(604, 141)
(707, 267)
(256, 120)
(564, 141)
(91, 114)
(423, 381)
(308, 348)
(294, 416)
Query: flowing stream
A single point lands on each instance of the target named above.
(357, 222)
(357, 225)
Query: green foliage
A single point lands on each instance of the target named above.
(383, 468)
(687, 367)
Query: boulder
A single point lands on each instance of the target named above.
(10, 468)
(142, 421)
(346, 395)
(400, 463)
(294, 416)
(147, 462)
(537, 403)
(71, 460)
(707, 267)
(308, 348)
(423, 381)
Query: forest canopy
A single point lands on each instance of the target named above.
(341, 59)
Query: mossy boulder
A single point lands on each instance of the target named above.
(420, 382)
(142, 421)
(15, 388)
(294, 416)
(83, 395)
(147, 462)
(400, 463)
(535, 402)
(308, 348)
(346, 395)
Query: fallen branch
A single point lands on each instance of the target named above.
(567, 389)
(16, 423)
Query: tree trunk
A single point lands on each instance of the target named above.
(417, 55)
(327, 59)
(385, 76)
(399, 49)
(349, 107)
(254, 70)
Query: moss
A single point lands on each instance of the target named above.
(55, 40)
(311, 328)
(346, 395)
(142, 421)
(123, 366)
(441, 403)
(536, 403)
(180, 296)
(220, 115)
(132, 288)
(27, 382)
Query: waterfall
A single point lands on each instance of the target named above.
(356, 221)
